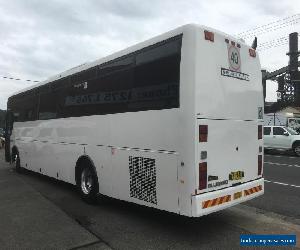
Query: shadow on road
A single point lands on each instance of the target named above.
(125, 225)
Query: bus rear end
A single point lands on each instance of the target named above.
(228, 123)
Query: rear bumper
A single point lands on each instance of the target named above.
(217, 200)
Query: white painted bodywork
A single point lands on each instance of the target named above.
(169, 136)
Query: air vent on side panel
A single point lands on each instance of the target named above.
(143, 179)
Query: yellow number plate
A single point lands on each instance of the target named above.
(234, 176)
(237, 195)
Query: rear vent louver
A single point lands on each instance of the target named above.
(143, 179)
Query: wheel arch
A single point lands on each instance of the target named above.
(14, 150)
(297, 142)
(84, 160)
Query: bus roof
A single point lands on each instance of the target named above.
(123, 52)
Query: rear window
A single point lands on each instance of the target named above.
(267, 130)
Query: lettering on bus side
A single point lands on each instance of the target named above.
(149, 93)
(217, 184)
(234, 74)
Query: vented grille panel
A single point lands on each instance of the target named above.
(143, 179)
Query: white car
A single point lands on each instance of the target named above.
(280, 137)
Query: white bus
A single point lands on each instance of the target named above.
(173, 123)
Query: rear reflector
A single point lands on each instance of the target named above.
(216, 201)
(252, 52)
(253, 190)
(203, 132)
(259, 159)
(202, 175)
(210, 36)
(259, 132)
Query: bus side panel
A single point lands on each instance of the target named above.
(145, 178)
(101, 157)
(66, 156)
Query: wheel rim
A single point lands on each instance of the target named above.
(15, 160)
(297, 150)
(86, 181)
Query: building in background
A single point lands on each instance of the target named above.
(288, 116)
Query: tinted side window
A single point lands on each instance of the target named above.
(156, 78)
(47, 107)
(51, 99)
(24, 106)
(84, 75)
(267, 130)
(147, 79)
(108, 93)
(13, 106)
(278, 131)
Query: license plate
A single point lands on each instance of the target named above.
(237, 195)
(234, 176)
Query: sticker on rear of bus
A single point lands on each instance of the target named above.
(260, 113)
(234, 74)
(234, 58)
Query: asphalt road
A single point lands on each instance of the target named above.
(282, 185)
(122, 225)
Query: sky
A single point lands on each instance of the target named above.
(39, 39)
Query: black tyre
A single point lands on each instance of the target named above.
(16, 162)
(87, 184)
(296, 149)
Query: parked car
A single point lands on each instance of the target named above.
(281, 137)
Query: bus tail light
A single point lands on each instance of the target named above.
(210, 36)
(203, 132)
(259, 132)
(259, 164)
(202, 175)
(252, 53)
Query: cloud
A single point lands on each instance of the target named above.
(43, 38)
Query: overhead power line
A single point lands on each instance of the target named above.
(17, 79)
(270, 27)
(274, 43)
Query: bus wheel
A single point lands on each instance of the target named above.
(297, 149)
(88, 185)
(16, 163)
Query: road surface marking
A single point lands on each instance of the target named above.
(280, 156)
(284, 184)
(282, 164)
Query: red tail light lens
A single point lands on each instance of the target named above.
(202, 175)
(259, 164)
(210, 36)
(252, 53)
(260, 133)
(203, 132)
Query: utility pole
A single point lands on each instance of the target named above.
(288, 78)
(264, 83)
(293, 65)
